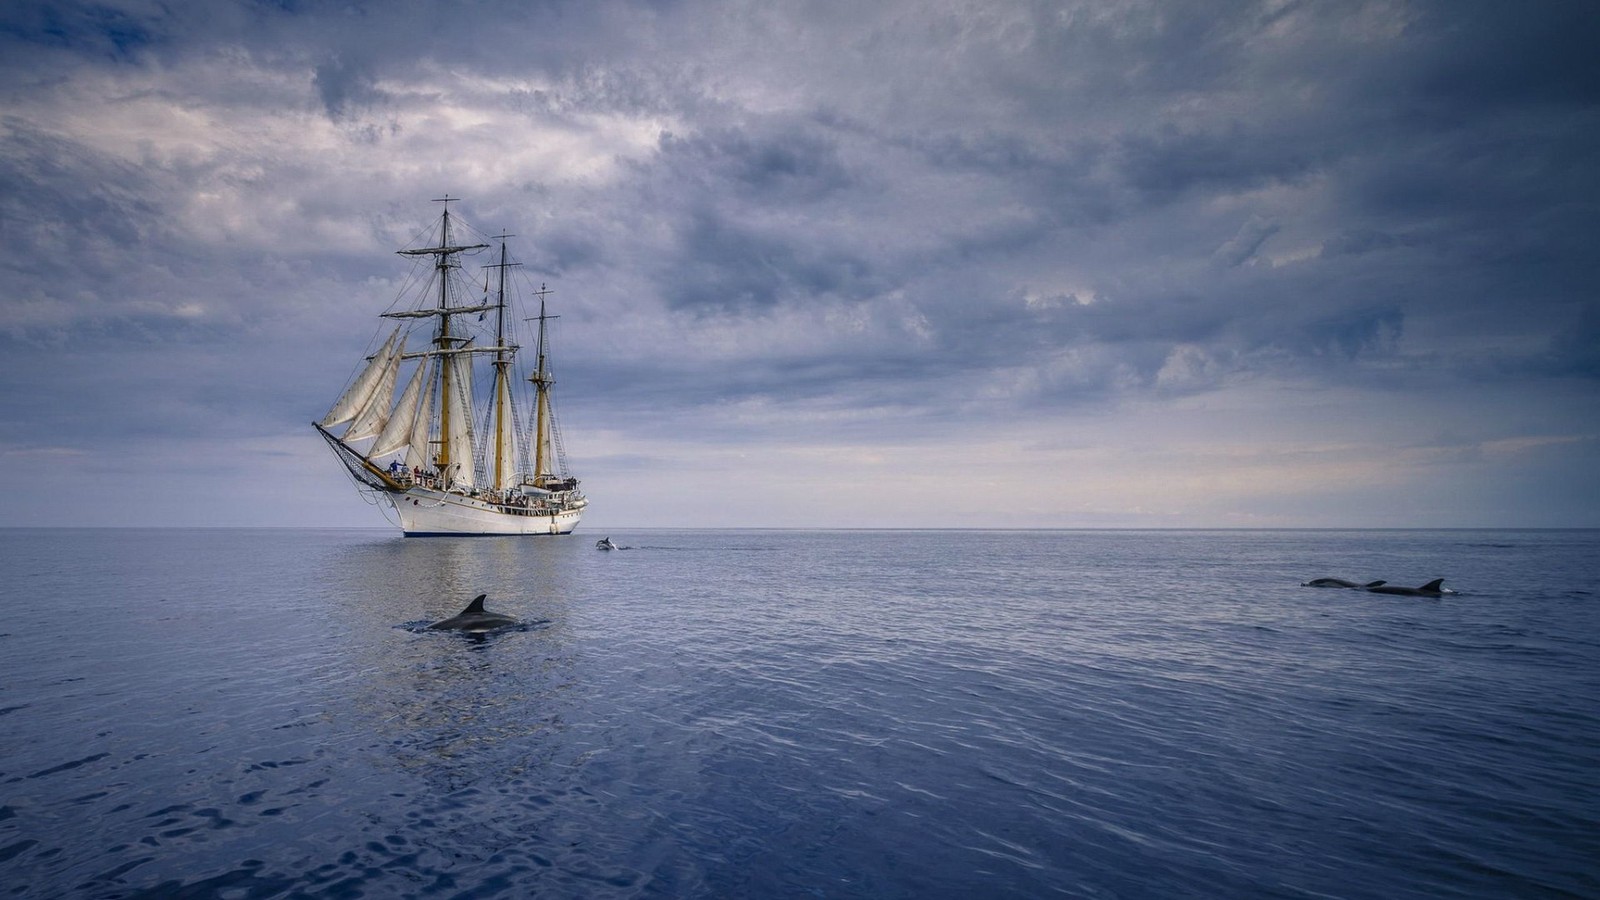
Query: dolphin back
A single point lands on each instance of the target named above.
(1431, 589)
(474, 619)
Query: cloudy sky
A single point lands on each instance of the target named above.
(900, 263)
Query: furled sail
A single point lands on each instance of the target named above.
(397, 434)
(375, 415)
(505, 444)
(461, 473)
(441, 311)
(357, 396)
(543, 453)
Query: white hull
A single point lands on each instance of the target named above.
(424, 511)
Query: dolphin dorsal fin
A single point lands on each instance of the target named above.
(1373, 584)
(476, 606)
(1435, 585)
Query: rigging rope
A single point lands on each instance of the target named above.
(555, 437)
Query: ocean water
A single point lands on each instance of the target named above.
(254, 714)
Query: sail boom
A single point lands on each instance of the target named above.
(424, 251)
(447, 311)
(456, 351)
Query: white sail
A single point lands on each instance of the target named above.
(461, 474)
(505, 466)
(397, 434)
(419, 453)
(375, 415)
(359, 393)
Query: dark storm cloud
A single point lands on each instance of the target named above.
(725, 265)
(1171, 162)
(782, 162)
(345, 86)
(1478, 54)
(54, 190)
(727, 259)
(90, 30)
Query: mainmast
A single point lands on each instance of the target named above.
(442, 340)
(450, 417)
(504, 435)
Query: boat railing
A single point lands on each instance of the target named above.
(407, 477)
(513, 502)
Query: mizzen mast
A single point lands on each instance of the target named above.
(542, 381)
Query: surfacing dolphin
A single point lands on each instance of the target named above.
(1341, 583)
(474, 619)
(1433, 588)
(604, 544)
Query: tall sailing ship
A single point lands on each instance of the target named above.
(471, 445)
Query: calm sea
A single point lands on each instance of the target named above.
(254, 714)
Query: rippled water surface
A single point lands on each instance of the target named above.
(773, 714)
